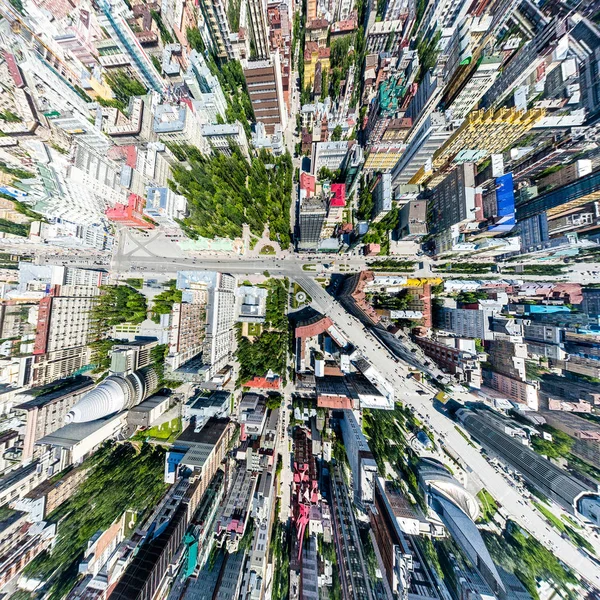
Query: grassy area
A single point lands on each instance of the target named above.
(561, 526)
(295, 290)
(269, 350)
(267, 251)
(467, 438)
(167, 431)
(308, 267)
(488, 505)
(254, 329)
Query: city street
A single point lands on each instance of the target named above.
(520, 509)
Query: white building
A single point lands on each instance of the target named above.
(330, 155)
(222, 137)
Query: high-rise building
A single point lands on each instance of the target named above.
(561, 200)
(214, 13)
(480, 81)
(220, 316)
(311, 217)
(454, 200)
(482, 133)
(362, 463)
(114, 19)
(64, 321)
(259, 44)
(431, 135)
(263, 80)
(469, 323)
(524, 62)
(382, 197)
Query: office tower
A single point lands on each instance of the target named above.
(215, 18)
(561, 200)
(431, 135)
(454, 200)
(263, 80)
(257, 11)
(552, 481)
(311, 218)
(482, 133)
(113, 19)
(382, 197)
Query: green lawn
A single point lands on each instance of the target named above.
(295, 289)
(488, 505)
(561, 526)
(267, 250)
(254, 329)
(167, 431)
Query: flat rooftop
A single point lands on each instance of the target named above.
(210, 434)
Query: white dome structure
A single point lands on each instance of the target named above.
(113, 395)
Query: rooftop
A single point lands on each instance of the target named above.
(211, 433)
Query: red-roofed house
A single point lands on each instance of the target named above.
(338, 194)
(272, 382)
(130, 215)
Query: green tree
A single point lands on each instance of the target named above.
(119, 304)
(336, 135)
(195, 40)
(121, 478)
(124, 87)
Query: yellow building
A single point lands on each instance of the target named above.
(482, 133)
(383, 158)
(312, 55)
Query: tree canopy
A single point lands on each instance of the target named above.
(120, 479)
(224, 192)
(119, 304)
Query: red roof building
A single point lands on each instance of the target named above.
(308, 183)
(264, 383)
(130, 215)
(338, 194)
(372, 249)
